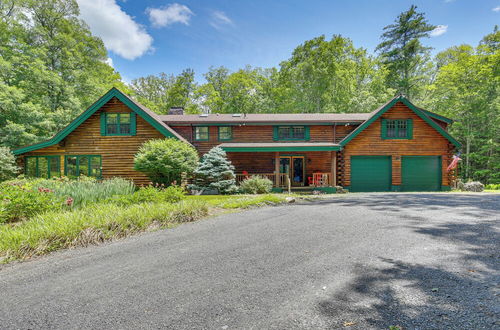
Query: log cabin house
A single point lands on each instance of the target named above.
(397, 147)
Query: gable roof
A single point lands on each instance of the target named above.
(146, 114)
(265, 118)
(380, 111)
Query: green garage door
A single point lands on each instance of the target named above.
(370, 173)
(421, 173)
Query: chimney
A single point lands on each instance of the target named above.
(176, 111)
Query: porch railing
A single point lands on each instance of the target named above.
(283, 178)
(321, 180)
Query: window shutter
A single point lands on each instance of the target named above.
(133, 121)
(307, 133)
(383, 130)
(409, 129)
(275, 133)
(103, 124)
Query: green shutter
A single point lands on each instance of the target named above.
(133, 129)
(103, 124)
(275, 133)
(383, 131)
(307, 133)
(409, 129)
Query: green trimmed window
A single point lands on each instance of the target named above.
(88, 165)
(397, 129)
(201, 133)
(225, 133)
(42, 166)
(291, 133)
(118, 124)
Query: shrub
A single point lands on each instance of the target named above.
(172, 194)
(8, 168)
(256, 185)
(164, 160)
(493, 186)
(18, 203)
(215, 173)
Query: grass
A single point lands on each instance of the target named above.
(103, 222)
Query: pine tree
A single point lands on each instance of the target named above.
(403, 54)
(215, 172)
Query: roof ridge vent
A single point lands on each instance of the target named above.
(236, 114)
(204, 115)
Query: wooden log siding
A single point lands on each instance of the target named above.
(262, 133)
(426, 142)
(117, 152)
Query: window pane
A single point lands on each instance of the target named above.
(31, 166)
(225, 133)
(95, 166)
(401, 128)
(124, 123)
(71, 166)
(298, 132)
(43, 167)
(391, 128)
(83, 165)
(112, 123)
(55, 165)
(284, 132)
(201, 133)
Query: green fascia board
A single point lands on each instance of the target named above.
(274, 149)
(436, 116)
(389, 105)
(113, 92)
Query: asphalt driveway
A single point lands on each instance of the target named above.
(427, 261)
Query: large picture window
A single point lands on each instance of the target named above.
(201, 133)
(118, 123)
(42, 166)
(291, 132)
(89, 165)
(397, 129)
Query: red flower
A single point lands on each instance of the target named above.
(69, 201)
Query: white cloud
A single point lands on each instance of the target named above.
(219, 19)
(439, 30)
(496, 9)
(120, 33)
(170, 14)
(109, 61)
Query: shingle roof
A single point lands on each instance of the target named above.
(265, 118)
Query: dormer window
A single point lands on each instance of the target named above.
(291, 133)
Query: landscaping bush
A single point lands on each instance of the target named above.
(492, 186)
(18, 203)
(164, 160)
(256, 185)
(215, 173)
(172, 194)
(8, 168)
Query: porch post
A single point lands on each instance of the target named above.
(334, 168)
(277, 169)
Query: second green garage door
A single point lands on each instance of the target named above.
(420, 173)
(370, 173)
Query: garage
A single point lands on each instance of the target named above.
(370, 173)
(421, 173)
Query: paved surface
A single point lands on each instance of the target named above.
(415, 260)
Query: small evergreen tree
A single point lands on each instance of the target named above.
(215, 172)
(8, 168)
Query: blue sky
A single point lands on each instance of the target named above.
(151, 36)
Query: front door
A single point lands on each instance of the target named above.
(294, 167)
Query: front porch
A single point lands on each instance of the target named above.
(288, 170)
